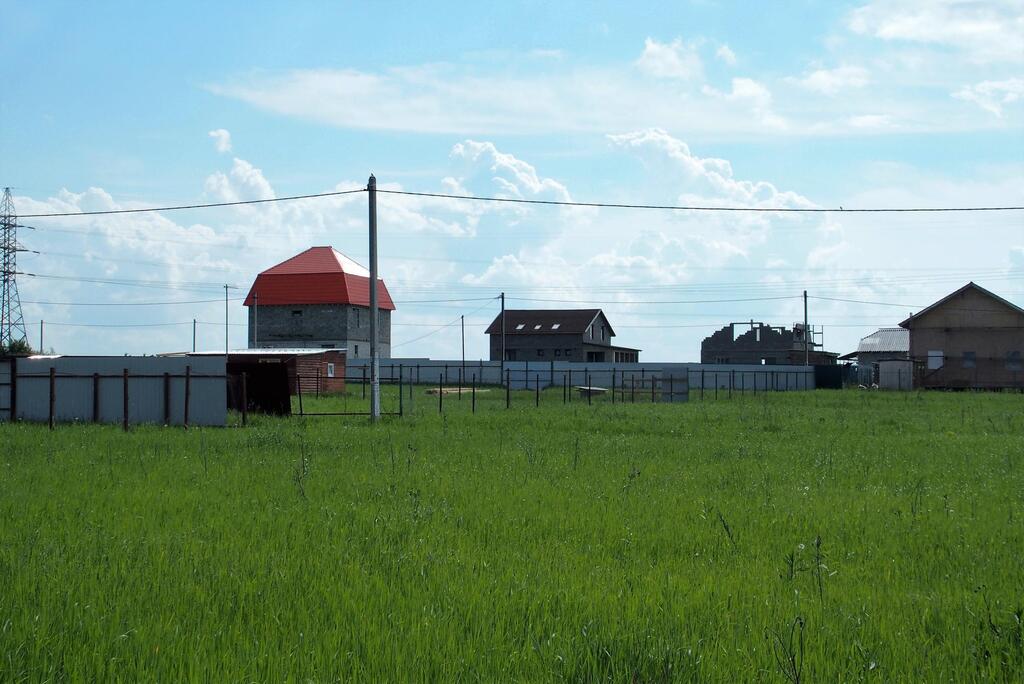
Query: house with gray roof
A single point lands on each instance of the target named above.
(579, 335)
(885, 344)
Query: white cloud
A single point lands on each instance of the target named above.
(876, 122)
(676, 60)
(985, 32)
(708, 178)
(725, 53)
(993, 95)
(833, 81)
(222, 139)
(754, 95)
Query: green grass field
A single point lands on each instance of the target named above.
(814, 537)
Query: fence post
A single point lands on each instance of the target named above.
(126, 400)
(245, 398)
(417, 373)
(188, 394)
(565, 387)
(474, 393)
(671, 389)
(364, 380)
(570, 385)
(632, 388)
(613, 385)
(440, 392)
(461, 383)
(401, 391)
(590, 392)
(508, 387)
(317, 381)
(298, 388)
(702, 384)
(536, 385)
(167, 399)
(53, 393)
(732, 379)
(716, 385)
(652, 388)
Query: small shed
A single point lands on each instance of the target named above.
(273, 375)
(885, 344)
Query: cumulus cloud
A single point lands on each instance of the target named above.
(751, 94)
(725, 54)
(992, 96)
(834, 81)
(984, 31)
(676, 60)
(221, 139)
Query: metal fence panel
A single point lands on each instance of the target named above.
(75, 389)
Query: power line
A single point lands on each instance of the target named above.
(117, 325)
(662, 301)
(677, 207)
(107, 212)
(561, 203)
(442, 327)
(167, 303)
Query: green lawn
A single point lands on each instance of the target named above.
(819, 537)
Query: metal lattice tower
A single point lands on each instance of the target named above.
(12, 325)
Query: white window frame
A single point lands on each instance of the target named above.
(330, 370)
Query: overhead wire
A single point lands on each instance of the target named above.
(208, 205)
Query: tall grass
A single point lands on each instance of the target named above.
(824, 536)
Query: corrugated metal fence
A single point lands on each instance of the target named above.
(114, 389)
(526, 375)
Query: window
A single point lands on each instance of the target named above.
(558, 352)
(330, 370)
(357, 351)
(602, 333)
(357, 318)
(296, 312)
(556, 326)
(1013, 361)
(935, 359)
(540, 352)
(537, 327)
(968, 359)
(520, 326)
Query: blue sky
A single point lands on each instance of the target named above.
(817, 104)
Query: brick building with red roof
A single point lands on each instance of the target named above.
(318, 299)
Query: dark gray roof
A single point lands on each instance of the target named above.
(885, 340)
(545, 321)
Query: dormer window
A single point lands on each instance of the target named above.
(520, 326)
(556, 326)
(537, 327)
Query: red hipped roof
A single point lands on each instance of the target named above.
(320, 275)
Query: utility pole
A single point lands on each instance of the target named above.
(806, 333)
(462, 380)
(371, 190)
(12, 325)
(502, 334)
(225, 321)
(193, 335)
(41, 347)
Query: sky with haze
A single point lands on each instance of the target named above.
(864, 104)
